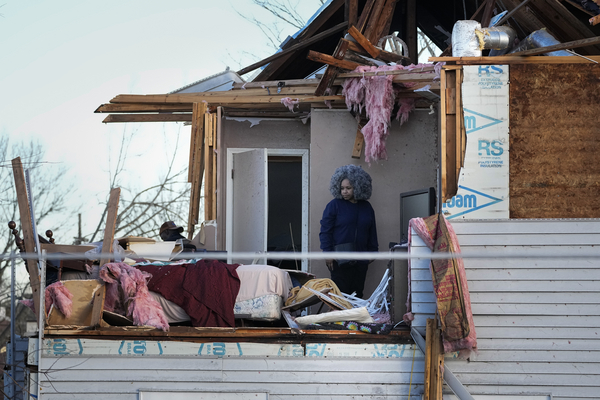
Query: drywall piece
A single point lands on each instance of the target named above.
(84, 292)
(483, 183)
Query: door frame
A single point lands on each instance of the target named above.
(305, 206)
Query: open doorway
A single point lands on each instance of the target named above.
(284, 232)
(267, 203)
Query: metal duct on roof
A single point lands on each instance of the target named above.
(537, 39)
(464, 41)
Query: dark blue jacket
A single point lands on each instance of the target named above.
(344, 221)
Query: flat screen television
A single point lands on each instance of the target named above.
(415, 204)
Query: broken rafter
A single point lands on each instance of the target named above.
(561, 46)
(231, 97)
(364, 42)
(332, 71)
(147, 118)
(134, 108)
(513, 60)
(372, 23)
(381, 54)
(298, 46)
(327, 59)
(364, 16)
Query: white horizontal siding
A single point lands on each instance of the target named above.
(122, 376)
(536, 306)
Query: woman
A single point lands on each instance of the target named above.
(349, 218)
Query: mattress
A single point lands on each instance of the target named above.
(263, 291)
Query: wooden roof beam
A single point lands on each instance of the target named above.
(230, 97)
(147, 118)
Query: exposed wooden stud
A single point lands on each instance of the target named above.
(111, 223)
(303, 44)
(332, 71)
(429, 327)
(327, 59)
(214, 151)
(437, 364)
(197, 166)
(460, 134)
(208, 175)
(27, 231)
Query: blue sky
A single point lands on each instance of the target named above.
(61, 59)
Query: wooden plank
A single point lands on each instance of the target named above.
(561, 46)
(428, 378)
(231, 97)
(197, 166)
(359, 142)
(411, 31)
(385, 20)
(382, 55)
(437, 361)
(461, 135)
(327, 59)
(65, 248)
(214, 151)
(351, 12)
(373, 20)
(208, 183)
(449, 145)
(487, 13)
(27, 231)
(514, 60)
(298, 46)
(562, 23)
(364, 15)
(364, 42)
(134, 108)
(111, 222)
(332, 71)
(443, 136)
(147, 118)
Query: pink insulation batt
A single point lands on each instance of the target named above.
(377, 96)
(126, 287)
(60, 296)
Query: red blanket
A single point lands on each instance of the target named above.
(205, 290)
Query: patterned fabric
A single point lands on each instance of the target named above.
(267, 307)
(449, 283)
(378, 329)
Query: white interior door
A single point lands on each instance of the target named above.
(249, 218)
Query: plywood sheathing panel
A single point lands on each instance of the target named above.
(554, 141)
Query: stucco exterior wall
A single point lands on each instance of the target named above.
(267, 133)
(412, 164)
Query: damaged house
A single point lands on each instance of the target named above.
(502, 126)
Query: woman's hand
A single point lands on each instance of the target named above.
(329, 264)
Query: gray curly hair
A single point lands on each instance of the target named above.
(358, 177)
